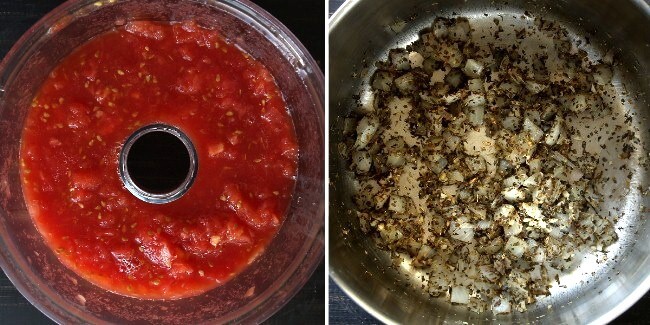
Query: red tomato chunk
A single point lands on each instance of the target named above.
(144, 73)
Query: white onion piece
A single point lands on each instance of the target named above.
(349, 125)
(452, 98)
(535, 87)
(390, 233)
(415, 59)
(449, 190)
(362, 160)
(505, 212)
(439, 163)
(425, 251)
(438, 76)
(455, 176)
(397, 204)
(533, 130)
(463, 232)
(512, 228)
(576, 103)
(473, 68)
(500, 305)
(460, 30)
(475, 100)
(516, 246)
(400, 60)
(539, 256)
(459, 295)
(484, 224)
(489, 273)
(535, 165)
(536, 273)
(556, 232)
(532, 210)
(439, 28)
(451, 141)
(395, 159)
(513, 194)
(554, 133)
(406, 83)
(575, 175)
(511, 123)
(531, 181)
(509, 88)
(382, 80)
(603, 75)
(365, 131)
(451, 54)
(511, 181)
(475, 115)
(475, 85)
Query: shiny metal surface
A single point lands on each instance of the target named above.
(594, 290)
(158, 198)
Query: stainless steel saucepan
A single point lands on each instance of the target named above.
(362, 31)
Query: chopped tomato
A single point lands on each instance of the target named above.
(144, 73)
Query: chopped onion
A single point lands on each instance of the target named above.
(349, 125)
(365, 131)
(438, 76)
(473, 68)
(500, 305)
(415, 59)
(489, 273)
(397, 204)
(362, 160)
(451, 54)
(459, 295)
(475, 100)
(460, 30)
(534, 87)
(453, 78)
(439, 28)
(395, 159)
(576, 103)
(400, 60)
(554, 133)
(536, 273)
(603, 75)
(533, 130)
(463, 232)
(382, 80)
(514, 194)
(484, 224)
(449, 190)
(475, 85)
(505, 212)
(512, 228)
(475, 115)
(406, 83)
(516, 246)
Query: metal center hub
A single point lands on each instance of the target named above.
(158, 163)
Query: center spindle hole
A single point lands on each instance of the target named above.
(158, 162)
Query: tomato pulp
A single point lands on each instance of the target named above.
(144, 73)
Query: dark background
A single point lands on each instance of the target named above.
(342, 310)
(306, 19)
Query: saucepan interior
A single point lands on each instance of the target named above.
(362, 32)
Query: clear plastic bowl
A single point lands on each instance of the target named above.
(290, 258)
